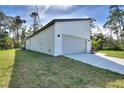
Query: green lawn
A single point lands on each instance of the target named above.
(118, 54)
(31, 69)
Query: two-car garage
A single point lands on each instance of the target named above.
(73, 44)
(61, 37)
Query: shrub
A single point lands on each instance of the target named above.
(6, 43)
(17, 44)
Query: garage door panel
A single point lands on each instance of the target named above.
(71, 44)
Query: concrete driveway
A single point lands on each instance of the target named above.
(101, 61)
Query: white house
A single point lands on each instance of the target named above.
(62, 36)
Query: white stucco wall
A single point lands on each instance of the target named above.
(73, 28)
(43, 41)
(48, 39)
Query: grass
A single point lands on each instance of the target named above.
(31, 69)
(6, 64)
(117, 54)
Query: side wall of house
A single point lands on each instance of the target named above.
(42, 42)
(79, 29)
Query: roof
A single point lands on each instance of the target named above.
(57, 20)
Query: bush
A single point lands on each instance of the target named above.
(112, 44)
(107, 43)
(118, 47)
(6, 42)
(17, 44)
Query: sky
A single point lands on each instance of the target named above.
(50, 12)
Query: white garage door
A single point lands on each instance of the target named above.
(71, 45)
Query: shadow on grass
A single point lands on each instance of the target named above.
(32, 69)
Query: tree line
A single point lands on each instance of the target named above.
(115, 25)
(13, 30)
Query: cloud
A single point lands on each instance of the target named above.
(62, 7)
(44, 10)
(49, 12)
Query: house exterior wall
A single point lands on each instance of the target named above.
(49, 40)
(74, 28)
(42, 42)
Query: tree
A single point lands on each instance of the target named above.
(29, 32)
(5, 40)
(98, 41)
(23, 36)
(12, 25)
(4, 23)
(16, 26)
(97, 38)
(115, 22)
(35, 25)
